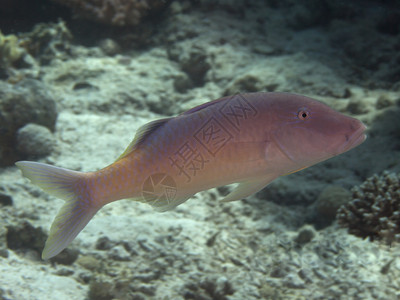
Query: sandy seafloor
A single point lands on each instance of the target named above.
(204, 249)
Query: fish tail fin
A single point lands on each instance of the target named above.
(77, 210)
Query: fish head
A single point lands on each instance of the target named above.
(308, 131)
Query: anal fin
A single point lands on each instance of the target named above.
(248, 188)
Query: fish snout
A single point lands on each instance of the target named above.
(355, 137)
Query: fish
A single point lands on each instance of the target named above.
(250, 139)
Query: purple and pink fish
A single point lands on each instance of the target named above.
(250, 139)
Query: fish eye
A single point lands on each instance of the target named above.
(303, 114)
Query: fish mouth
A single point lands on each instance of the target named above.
(355, 139)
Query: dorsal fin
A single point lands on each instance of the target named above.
(142, 134)
(204, 105)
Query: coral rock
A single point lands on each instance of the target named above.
(29, 101)
(35, 140)
(114, 12)
(374, 211)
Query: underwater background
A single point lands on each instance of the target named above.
(78, 78)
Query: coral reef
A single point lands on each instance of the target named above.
(10, 50)
(48, 41)
(374, 211)
(26, 102)
(107, 81)
(114, 12)
(22, 55)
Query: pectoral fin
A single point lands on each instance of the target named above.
(247, 188)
